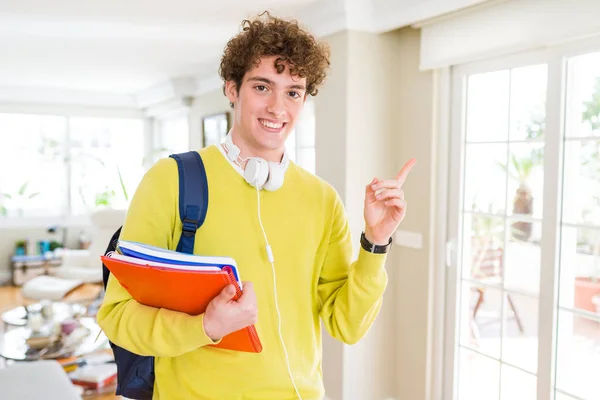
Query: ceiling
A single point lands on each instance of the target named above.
(117, 46)
(124, 47)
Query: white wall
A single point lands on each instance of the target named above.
(206, 104)
(414, 137)
(330, 159)
(376, 107)
(507, 27)
(369, 366)
(393, 14)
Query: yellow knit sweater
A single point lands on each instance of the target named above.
(307, 228)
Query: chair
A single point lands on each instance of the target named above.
(487, 267)
(78, 266)
(46, 287)
(85, 265)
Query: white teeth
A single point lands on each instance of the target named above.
(271, 125)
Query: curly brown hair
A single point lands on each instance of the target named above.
(270, 36)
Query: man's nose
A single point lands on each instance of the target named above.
(275, 106)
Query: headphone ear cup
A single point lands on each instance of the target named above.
(256, 172)
(276, 175)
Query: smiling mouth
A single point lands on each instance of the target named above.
(272, 125)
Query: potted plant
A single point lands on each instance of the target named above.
(523, 200)
(587, 287)
(55, 245)
(21, 197)
(20, 247)
(520, 169)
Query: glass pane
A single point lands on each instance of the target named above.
(581, 192)
(483, 248)
(520, 335)
(32, 170)
(306, 159)
(526, 180)
(528, 102)
(487, 107)
(562, 396)
(106, 162)
(583, 96)
(580, 268)
(478, 376)
(485, 178)
(174, 136)
(578, 356)
(481, 318)
(517, 385)
(306, 125)
(523, 257)
(290, 146)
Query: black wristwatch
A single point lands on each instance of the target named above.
(372, 247)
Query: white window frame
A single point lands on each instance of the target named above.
(452, 132)
(66, 218)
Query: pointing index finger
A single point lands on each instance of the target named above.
(403, 174)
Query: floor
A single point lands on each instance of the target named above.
(11, 297)
(577, 358)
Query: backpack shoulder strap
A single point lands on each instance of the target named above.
(193, 197)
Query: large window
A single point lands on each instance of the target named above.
(525, 214)
(58, 166)
(173, 136)
(301, 143)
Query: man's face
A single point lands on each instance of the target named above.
(267, 106)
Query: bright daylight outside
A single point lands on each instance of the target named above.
(53, 166)
(502, 228)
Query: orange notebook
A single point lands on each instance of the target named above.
(183, 290)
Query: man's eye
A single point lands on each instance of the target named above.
(295, 95)
(261, 88)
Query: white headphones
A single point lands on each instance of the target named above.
(259, 173)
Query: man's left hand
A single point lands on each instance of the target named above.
(385, 206)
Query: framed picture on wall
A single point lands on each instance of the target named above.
(215, 128)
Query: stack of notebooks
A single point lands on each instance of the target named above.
(181, 282)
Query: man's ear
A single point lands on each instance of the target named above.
(231, 91)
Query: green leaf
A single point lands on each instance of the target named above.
(31, 196)
(8, 196)
(591, 114)
(122, 184)
(104, 198)
(23, 188)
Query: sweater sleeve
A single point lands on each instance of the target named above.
(350, 294)
(151, 218)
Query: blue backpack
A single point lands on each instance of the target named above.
(135, 373)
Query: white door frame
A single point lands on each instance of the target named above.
(451, 195)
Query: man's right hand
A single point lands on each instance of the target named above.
(224, 315)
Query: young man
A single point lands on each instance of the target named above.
(306, 273)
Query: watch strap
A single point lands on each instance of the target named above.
(372, 247)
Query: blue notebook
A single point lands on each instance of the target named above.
(156, 254)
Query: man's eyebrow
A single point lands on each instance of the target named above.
(260, 79)
(299, 87)
(269, 82)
